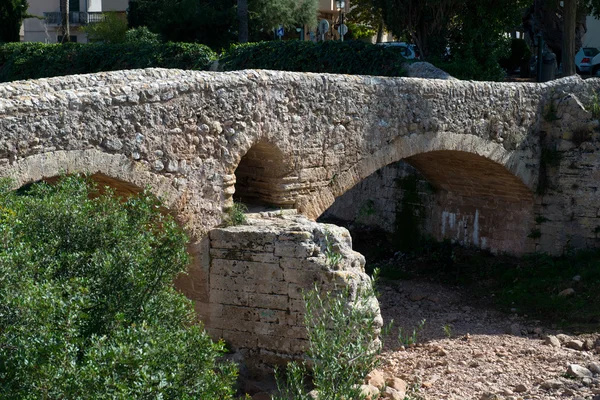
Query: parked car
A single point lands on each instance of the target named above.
(583, 59)
(409, 51)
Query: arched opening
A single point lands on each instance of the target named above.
(262, 178)
(454, 195)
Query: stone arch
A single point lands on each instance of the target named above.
(126, 177)
(511, 163)
(263, 177)
(475, 201)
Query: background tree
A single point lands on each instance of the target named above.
(65, 30)
(111, 29)
(242, 12)
(568, 45)
(368, 14)
(12, 14)
(211, 22)
(265, 15)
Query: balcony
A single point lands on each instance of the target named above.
(75, 17)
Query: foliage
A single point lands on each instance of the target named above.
(359, 31)
(211, 22)
(447, 328)
(87, 304)
(519, 55)
(12, 14)
(350, 57)
(141, 35)
(333, 257)
(39, 60)
(465, 38)
(111, 29)
(594, 106)
(268, 14)
(236, 215)
(341, 345)
(365, 18)
(408, 339)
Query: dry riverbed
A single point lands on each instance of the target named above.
(467, 351)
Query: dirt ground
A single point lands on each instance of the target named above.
(467, 351)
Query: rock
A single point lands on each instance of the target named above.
(369, 391)
(567, 292)
(577, 371)
(391, 393)
(588, 344)
(574, 344)
(551, 384)
(520, 388)
(594, 367)
(563, 338)
(416, 297)
(172, 166)
(262, 396)
(577, 278)
(112, 144)
(376, 378)
(515, 330)
(425, 70)
(398, 384)
(552, 340)
(158, 165)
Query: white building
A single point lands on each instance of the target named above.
(592, 36)
(81, 12)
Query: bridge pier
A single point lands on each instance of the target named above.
(247, 282)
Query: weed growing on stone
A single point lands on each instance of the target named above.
(447, 328)
(535, 234)
(236, 215)
(342, 330)
(550, 112)
(594, 106)
(407, 339)
(333, 257)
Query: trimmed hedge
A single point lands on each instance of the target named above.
(351, 57)
(39, 60)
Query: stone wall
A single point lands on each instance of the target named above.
(249, 289)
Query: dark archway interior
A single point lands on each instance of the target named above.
(452, 195)
(261, 178)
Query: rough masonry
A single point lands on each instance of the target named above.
(514, 167)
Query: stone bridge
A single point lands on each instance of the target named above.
(514, 167)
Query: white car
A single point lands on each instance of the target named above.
(583, 59)
(409, 51)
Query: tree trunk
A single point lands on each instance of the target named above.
(64, 26)
(568, 47)
(242, 12)
(380, 31)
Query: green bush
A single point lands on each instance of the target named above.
(39, 60)
(87, 307)
(341, 349)
(350, 57)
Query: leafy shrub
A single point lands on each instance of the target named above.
(350, 57)
(87, 307)
(341, 345)
(39, 60)
(141, 35)
(111, 29)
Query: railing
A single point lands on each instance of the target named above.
(75, 17)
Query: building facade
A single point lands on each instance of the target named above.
(46, 28)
